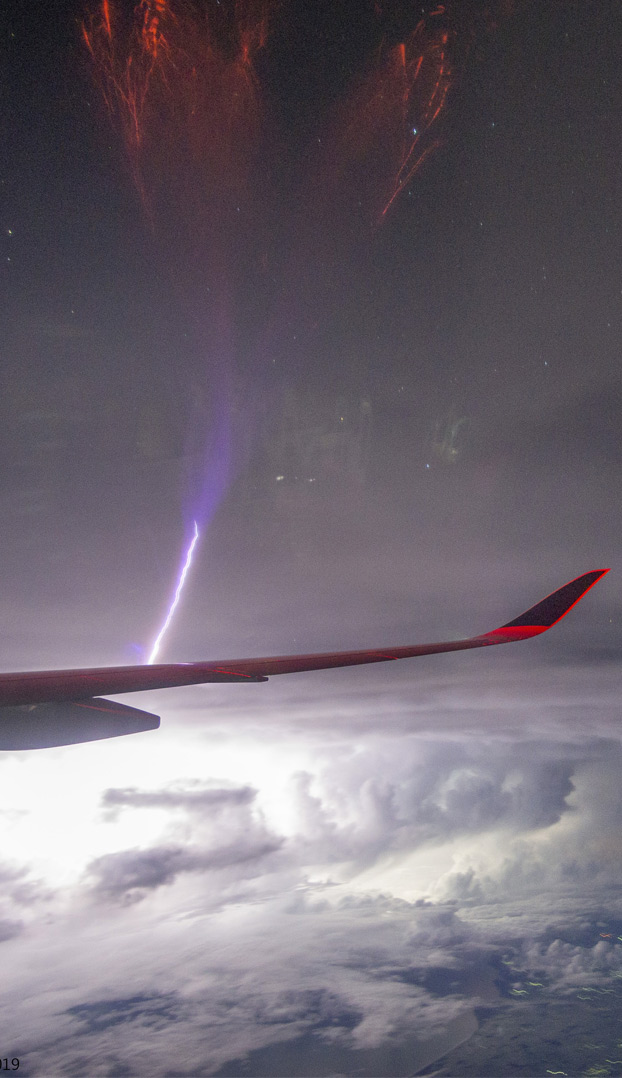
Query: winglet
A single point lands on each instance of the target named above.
(548, 611)
(558, 603)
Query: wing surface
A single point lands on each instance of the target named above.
(38, 687)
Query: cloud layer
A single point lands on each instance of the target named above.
(350, 898)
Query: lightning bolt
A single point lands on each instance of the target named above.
(180, 586)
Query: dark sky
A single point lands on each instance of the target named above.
(389, 429)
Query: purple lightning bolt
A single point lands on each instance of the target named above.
(177, 596)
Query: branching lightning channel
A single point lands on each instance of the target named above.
(176, 597)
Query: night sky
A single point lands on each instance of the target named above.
(374, 353)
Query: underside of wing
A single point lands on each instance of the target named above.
(71, 722)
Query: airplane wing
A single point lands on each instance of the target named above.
(40, 709)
